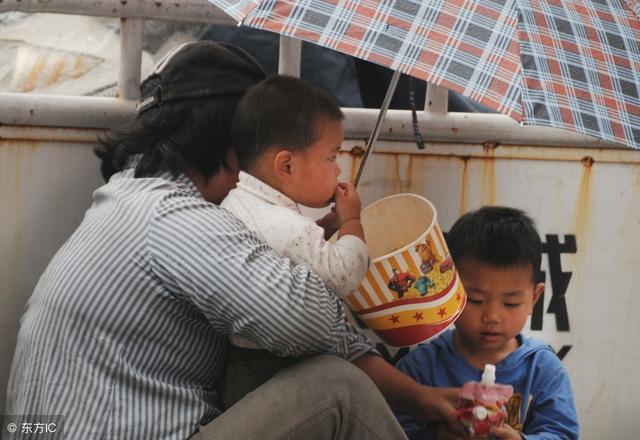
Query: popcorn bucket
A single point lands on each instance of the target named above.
(411, 292)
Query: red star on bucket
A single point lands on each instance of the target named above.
(458, 297)
(442, 311)
(418, 316)
(394, 319)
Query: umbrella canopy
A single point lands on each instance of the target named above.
(570, 64)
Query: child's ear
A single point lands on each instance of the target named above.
(537, 293)
(282, 163)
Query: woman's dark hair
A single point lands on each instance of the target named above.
(184, 113)
(497, 235)
(280, 111)
(193, 131)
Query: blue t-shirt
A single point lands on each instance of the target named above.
(542, 405)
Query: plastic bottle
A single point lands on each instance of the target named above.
(482, 405)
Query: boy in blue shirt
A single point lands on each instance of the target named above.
(497, 252)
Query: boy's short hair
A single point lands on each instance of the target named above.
(280, 111)
(497, 235)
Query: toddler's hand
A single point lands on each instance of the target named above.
(348, 205)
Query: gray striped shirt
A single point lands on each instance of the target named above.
(126, 331)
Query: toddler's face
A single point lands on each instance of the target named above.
(316, 170)
(499, 300)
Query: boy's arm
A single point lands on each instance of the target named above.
(552, 414)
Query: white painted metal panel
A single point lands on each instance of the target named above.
(588, 195)
(45, 186)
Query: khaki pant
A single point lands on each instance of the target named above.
(323, 397)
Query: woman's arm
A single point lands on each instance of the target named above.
(207, 257)
(406, 396)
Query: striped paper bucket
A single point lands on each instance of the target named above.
(411, 292)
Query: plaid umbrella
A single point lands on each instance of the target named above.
(570, 64)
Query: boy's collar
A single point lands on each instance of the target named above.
(448, 340)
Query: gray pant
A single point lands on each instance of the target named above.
(319, 398)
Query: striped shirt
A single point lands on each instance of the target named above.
(126, 331)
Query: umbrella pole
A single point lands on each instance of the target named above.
(376, 129)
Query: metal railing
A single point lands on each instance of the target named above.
(435, 122)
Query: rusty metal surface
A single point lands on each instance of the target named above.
(45, 187)
(64, 111)
(502, 151)
(49, 134)
(589, 195)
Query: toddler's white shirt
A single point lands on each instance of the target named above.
(277, 220)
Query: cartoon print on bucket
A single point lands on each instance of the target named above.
(411, 292)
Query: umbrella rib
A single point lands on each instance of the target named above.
(376, 129)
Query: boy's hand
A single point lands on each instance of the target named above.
(505, 432)
(348, 205)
